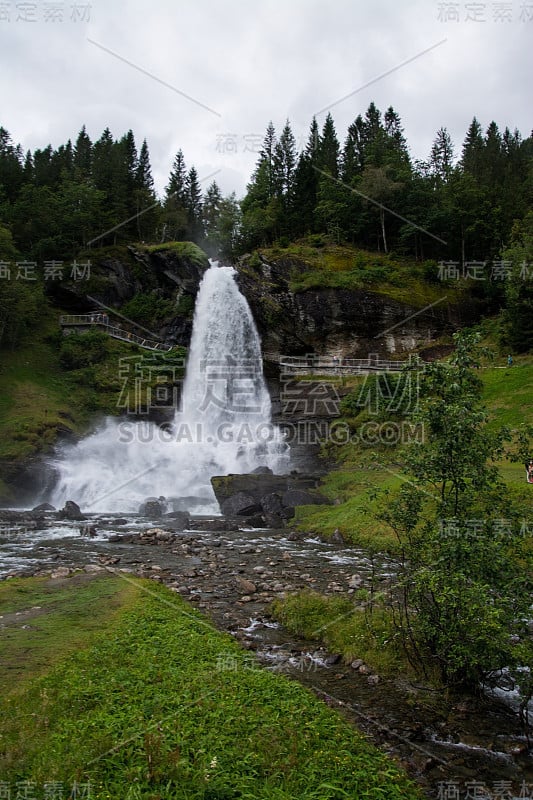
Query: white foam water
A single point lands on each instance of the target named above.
(223, 427)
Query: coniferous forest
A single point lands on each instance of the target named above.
(465, 204)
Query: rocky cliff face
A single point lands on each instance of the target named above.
(119, 274)
(344, 322)
(347, 322)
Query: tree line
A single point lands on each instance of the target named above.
(370, 192)
(366, 190)
(58, 202)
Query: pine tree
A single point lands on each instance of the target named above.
(193, 205)
(210, 216)
(352, 156)
(82, 159)
(42, 165)
(28, 168)
(102, 161)
(175, 217)
(328, 149)
(442, 156)
(284, 164)
(143, 173)
(11, 169)
(284, 174)
(267, 155)
(305, 184)
(147, 208)
(473, 145)
(177, 182)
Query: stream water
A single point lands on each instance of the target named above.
(233, 575)
(224, 425)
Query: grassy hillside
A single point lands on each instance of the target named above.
(155, 703)
(344, 266)
(364, 471)
(53, 384)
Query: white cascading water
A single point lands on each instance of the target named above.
(224, 425)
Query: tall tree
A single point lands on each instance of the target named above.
(82, 159)
(143, 173)
(193, 205)
(473, 145)
(442, 156)
(306, 179)
(11, 169)
(328, 148)
(175, 218)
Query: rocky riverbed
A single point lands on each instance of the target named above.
(232, 574)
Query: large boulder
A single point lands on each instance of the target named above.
(178, 520)
(299, 497)
(44, 507)
(275, 496)
(240, 505)
(258, 485)
(273, 510)
(153, 508)
(71, 511)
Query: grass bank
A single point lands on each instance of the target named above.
(158, 704)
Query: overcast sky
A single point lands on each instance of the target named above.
(219, 70)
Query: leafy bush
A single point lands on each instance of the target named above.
(80, 350)
(147, 309)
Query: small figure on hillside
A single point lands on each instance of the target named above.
(529, 470)
(509, 360)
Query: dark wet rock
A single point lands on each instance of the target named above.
(71, 511)
(273, 510)
(120, 521)
(337, 537)
(259, 486)
(262, 471)
(44, 507)
(89, 531)
(256, 521)
(177, 520)
(152, 507)
(240, 504)
(299, 497)
(245, 585)
(332, 659)
(309, 320)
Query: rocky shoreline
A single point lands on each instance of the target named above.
(232, 573)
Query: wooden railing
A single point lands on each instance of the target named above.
(101, 321)
(339, 366)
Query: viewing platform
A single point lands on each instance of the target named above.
(323, 365)
(80, 323)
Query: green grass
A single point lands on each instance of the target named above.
(345, 626)
(508, 393)
(39, 398)
(161, 705)
(58, 617)
(356, 502)
(344, 266)
(187, 250)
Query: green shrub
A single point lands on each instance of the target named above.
(79, 350)
(147, 309)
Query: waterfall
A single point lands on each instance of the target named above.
(223, 426)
